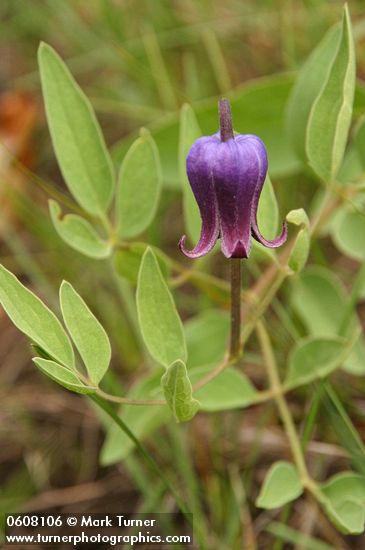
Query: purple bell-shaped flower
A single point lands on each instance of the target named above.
(226, 173)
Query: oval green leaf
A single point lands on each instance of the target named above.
(139, 187)
(349, 235)
(87, 333)
(77, 139)
(230, 390)
(78, 233)
(300, 251)
(344, 501)
(159, 320)
(314, 358)
(307, 87)
(345, 485)
(330, 116)
(282, 484)
(348, 516)
(178, 392)
(32, 317)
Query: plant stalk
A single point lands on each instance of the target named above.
(235, 342)
(282, 405)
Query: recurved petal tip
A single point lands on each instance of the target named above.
(273, 243)
(204, 245)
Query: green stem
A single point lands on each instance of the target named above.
(127, 400)
(108, 409)
(281, 403)
(235, 343)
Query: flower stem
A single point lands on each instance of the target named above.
(225, 120)
(235, 343)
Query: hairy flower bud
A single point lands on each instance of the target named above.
(226, 173)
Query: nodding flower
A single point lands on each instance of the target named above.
(226, 172)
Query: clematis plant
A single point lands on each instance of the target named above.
(181, 372)
(226, 172)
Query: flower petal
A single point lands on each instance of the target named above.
(236, 171)
(273, 243)
(199, 174)
(262, 162)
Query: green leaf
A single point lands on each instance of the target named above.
(345, 485)
(62, 376)
(348, 516)
(207, 338)
(344, 501)
(78, 233)
(349, 235)
(34, 319)
(159, 320)
(307, 88)
(127, 261)
(330, 116)
(300, 251)
(87, 333)
(77, 139)
(142, 420)
(314, 358)
(139, 187)
(320, 300)
(231, 389)
(298, 217)
(189, 132)
(282, 485)
(178, 392)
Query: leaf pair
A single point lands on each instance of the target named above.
(32, 317)
(87, 167)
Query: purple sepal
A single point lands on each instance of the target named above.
(226, 178)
